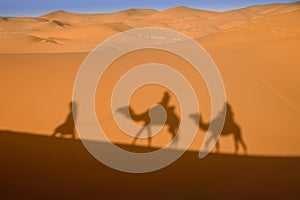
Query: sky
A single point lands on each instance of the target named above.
(14, 8)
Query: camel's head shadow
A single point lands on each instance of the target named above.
(195, 116)
(124, 111)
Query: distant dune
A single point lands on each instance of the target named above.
(82, 32)
(42, 167)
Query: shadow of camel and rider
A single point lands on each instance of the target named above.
(172, 120)
(230, 127)
(153, 116)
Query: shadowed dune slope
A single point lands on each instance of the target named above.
(51, 168)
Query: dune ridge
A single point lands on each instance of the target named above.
(85, 31)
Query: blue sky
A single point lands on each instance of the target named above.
(39, 7)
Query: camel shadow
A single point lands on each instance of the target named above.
(148, 119)
(230, 128)
(68, 127)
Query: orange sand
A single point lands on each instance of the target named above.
(255, 48)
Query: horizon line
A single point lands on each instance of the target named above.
(141, 8)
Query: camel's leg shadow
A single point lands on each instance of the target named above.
(174, 142)
(149, 136)
(238, 139)
(137, 135)
(208, 141)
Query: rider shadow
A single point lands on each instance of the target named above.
(230, 128)
(161, 114)
(68, 127)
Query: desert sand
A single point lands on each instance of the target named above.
(256, 50)
(56, 168)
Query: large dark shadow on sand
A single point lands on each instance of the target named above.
(42, 167)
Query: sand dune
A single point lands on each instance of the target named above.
(120, 16)
(255, 48)
(193, 22)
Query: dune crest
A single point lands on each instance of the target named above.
(93, 28)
